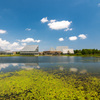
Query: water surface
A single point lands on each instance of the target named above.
(72, 64)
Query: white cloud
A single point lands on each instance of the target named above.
(6, 45)
(82, 36)
(61, 39)
(15, 44)
(28, 40)
(59, 25)
(98, 4)
(68, 29)
(72, 38)
(3, 42)
(51, 21)
(37, 41)
(23, 44)
(44, 20)
(28, 29)
(2, 31)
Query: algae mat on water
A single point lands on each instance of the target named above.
(39, 85)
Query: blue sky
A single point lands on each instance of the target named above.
(50, 23)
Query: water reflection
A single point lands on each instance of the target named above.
(79, 65)
(83, 71)
(3, 66)
(61, 68)
(10, 67)
(73, 69)
(90, 59)
(30, 66)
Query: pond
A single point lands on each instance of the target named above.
(73, 64)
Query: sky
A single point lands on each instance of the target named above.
(49, 23)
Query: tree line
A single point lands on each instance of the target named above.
(87, 51)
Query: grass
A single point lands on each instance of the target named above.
(87, 55)
(39, 85)
(14, 55)
(95, 55)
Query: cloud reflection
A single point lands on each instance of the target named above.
(83, 71)
(3, 66)
(73, 69)
(27, 66)
(61, 68)
(30, 66)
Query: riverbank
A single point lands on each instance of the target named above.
(95, 55)
(14, 55)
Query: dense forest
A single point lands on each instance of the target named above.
(87, 51)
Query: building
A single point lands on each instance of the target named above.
(5, 52)
(65, 50)
(52, 52)
(60, 48)
(68, 51)
(8, 52)
(30, 50)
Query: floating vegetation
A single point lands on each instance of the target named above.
(39, 85)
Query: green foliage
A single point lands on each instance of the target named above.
(17, 52)
(39, 85)
(87, 51)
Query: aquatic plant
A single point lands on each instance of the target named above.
(39, 85)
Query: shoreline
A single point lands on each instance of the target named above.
(18, 55)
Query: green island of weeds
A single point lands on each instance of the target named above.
(39, 85)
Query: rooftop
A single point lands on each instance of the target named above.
(30, 48)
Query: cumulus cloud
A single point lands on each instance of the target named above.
(59, 25)
(2, 31)
(23, 44)
(6, 45)
(15, 44)
(3, 42)
(68, 29)
(28, 40)
(28, 29)
(98, 4)
(51, 21)
(61, 39)
(82, 36)
(44, 20)
(73, 38)
(37, 41)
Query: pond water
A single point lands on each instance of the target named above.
(72, 64)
